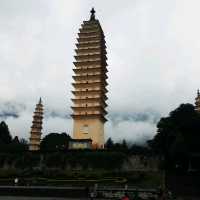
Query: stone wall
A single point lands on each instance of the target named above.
(79, 161)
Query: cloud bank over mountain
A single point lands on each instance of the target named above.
(153, 57)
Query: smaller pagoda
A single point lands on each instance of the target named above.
(36, 127)
(197, 102)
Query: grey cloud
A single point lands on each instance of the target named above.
(11, 109)
(56, 114)
(152, 117)
(134, 127)
(5, 114)
(153, 51)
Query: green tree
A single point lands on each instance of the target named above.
(109, 143)
(17, 145)
(178, 134)
(15, 140)
(124, 145)
(55, 142)
(139, 149)
(121, 146)
(5, 137)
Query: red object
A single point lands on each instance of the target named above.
(125, 198)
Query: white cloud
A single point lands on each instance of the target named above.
(153, 49)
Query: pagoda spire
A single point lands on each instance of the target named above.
(40, 101)
(92, 16)
(197, 102)
(36, 127)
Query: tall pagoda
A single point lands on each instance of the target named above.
(197, 102)
(90, 83)
(36, 127)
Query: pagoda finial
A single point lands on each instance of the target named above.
(40, 100)
(92, 16)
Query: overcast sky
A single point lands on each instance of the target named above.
(153, 61)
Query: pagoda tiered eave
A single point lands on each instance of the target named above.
(88, 50)
(84, 77)
(90, 57)
(89, 39)
(97, 62)
(99, 108)
(92, 83)
(99, 100)
(100, 89)
(85, 32)
(89, 29)
(89, 116)
(91, 44)
(87, 70)
(89, 92)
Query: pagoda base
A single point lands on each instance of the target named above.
(34, 147)
(90, 128)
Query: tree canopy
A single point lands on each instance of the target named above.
(5, 137)
(7, 144)
(178, 135)
(55, 141)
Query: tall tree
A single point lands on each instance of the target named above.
(15, 140)
(5, 137)
(55, 141)
(178, 134)
(109, 143)
(18, 145)
(124, 144)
